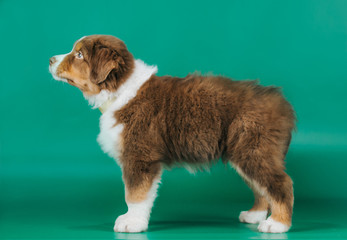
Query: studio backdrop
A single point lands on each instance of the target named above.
(50, 161)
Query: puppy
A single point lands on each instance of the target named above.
(150, 123)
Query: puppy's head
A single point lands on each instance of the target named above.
(95, 63)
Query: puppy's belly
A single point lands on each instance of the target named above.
(190, 167)
(193, 154)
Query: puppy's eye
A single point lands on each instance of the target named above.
(79, 55)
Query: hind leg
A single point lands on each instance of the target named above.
(276, 187)
(258, 157)
(258, 212)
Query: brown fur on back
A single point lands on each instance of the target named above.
(188, 119)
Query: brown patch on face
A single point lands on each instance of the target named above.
(106, 64)
(76, 71)
(78, 46)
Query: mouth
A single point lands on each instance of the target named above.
(70, 81)
(55, 76)
(59, 78)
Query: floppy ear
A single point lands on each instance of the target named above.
(104, 60)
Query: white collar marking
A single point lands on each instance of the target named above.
(128, 90)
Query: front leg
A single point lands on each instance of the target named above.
(141, 181)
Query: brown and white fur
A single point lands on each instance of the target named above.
(151, 122)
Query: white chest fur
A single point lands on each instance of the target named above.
(110, 137)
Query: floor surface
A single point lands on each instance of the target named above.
(57, 201)
(319, 220)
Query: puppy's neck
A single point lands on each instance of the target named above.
(128, 90)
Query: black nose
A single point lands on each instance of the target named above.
(52, 60)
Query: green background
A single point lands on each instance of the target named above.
(55, 182)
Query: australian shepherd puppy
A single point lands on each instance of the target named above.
(150, 123)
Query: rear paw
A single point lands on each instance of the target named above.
(271, 226)
(252, 216)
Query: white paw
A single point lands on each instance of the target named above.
(252, 216)
(130, 223)
(271, 226)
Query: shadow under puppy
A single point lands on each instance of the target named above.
(150, 123)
